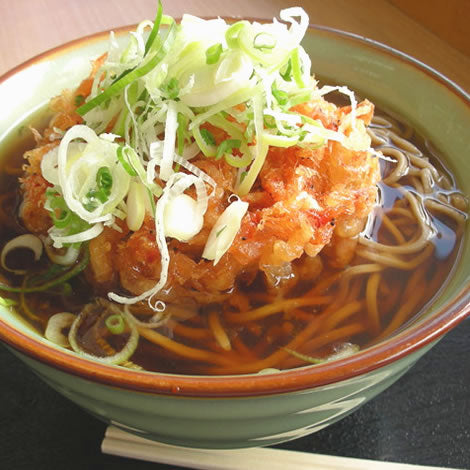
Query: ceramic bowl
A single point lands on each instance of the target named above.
(253, 410)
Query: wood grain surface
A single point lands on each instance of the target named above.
(29, 27)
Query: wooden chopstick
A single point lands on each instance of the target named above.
(123, 444)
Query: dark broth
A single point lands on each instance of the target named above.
(256, 339)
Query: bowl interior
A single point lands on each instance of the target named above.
(431, 104)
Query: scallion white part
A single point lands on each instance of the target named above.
(166, 163)
(224, 231)
(116, 359)
(77, 173)
(55, 328)
(86, 235)
(65, 258)
(25, 241)
(136, 205)
(182, 219)
(218, 82)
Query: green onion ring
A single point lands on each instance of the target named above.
(122, 356)
(78, 268)
(115, 324)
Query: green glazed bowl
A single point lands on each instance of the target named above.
(254, 410)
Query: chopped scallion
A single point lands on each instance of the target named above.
(62, 277)
(104, 180)
(231, 35)
(227, 146)
(156, 26)
(172, 89)
(269, 122)
(115, 324)
(123, 157)
(281, 96)
(264, 41)
(238, 162)
(287, 73)
(213, 53)
(126, 80)
(181, 132)
(208, 137)
(297, 68)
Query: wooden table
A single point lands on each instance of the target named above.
(29, 27)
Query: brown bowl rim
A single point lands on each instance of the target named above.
(396, 347)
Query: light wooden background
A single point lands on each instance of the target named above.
(28, 27)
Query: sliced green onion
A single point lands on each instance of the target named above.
(264, 41)
(136, 205)
(104, 180)
(305, 119)
(262, 49)
(281, 96)
(213, 53)
(261, 148)
(279, 140)
(227, 146)
(287, 73)
(63, 257)
(231, 35)
(26, 241)
(55, 326)
(118, 358)
(238, 97)
(123, 157)
(208, 137)
(224, 231)
(301, 97)
(139, 169)
(151, 201)
(231, 128)
(238, 162)
(119, 85)
(181, 132)
(202, 137)
(182, 218)
(61, 215)
(156, 26)
(269, 122)
(50, 283)
(172, 89)
(119, 127)
(245, 185)
(297, 68)
(115, 324)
